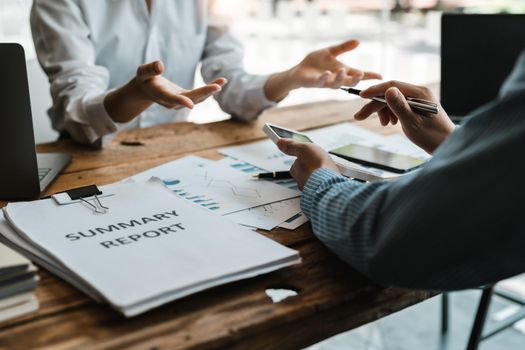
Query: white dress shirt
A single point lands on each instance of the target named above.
(89, 47)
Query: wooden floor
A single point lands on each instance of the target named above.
(331, 297)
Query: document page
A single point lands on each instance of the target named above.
(264, 216)
(149, 244)
(223, 190)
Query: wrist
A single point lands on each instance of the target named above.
(448, 129)
(126, 102)
(134, 90)
(279, 85)
(292, 78)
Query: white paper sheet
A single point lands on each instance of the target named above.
(294, 222)
(259, 217)
(269, 216)
(168, 169)
(150, 248)
(224, 190)
(20, 309)
(288, 213)
(262, 154)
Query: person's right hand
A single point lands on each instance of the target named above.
(160, 90)
(427, 131)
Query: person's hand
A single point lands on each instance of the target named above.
(427, 131)
(160, 90)
(310, 158)
(149, 87)
(320, 69)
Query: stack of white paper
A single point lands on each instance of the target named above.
(151, 247)
(17, 281)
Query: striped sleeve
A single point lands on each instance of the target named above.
(343, 214)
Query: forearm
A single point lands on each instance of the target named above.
(379, 234)
(126, 102)
(244, 96)
(279, 85)
(342, 212)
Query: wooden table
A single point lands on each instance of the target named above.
(332, 298)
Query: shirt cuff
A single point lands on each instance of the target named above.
(318, 178)
(260, 82)
(99, 122)
(255, 98)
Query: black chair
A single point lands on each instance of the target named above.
(477, 334)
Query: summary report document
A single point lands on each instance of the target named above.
(151, 246)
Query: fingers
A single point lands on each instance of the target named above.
(323, 78)
(384, 119)
(398, 104)
(344, 47)
(386, 116)
(346, 77)
(181, 101)
(220, 81)
(372, 75)
(405, 88)
(342, 77)
(291, 147)
(339, 78)
(177, 98)
(202, 93)
(369, 109)
(393, 118)
(364, 75)
(353, 79)
(295, 172)
(149, 70)
(175, 101)
(398, 108)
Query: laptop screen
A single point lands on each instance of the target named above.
(18, 164)
(477, 53)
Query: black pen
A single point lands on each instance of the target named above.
(275, 175)
(418, 105)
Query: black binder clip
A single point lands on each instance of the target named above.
(83, 195)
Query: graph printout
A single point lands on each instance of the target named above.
(224, 190)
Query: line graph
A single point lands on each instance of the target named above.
(237, 191)
(223, 189)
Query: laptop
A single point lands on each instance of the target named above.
(23, 173)
(478, 52)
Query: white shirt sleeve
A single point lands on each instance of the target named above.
(67, 55)
(243, 97)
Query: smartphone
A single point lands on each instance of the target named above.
(369, 156)
(275, 133)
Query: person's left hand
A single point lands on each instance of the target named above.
(319, 69)
(310, 158)
(322, 69)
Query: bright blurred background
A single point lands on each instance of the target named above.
(400, 39)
